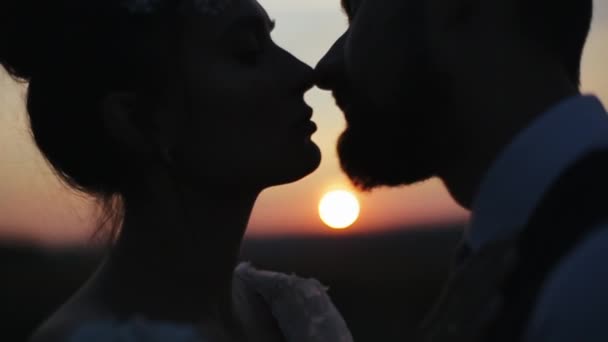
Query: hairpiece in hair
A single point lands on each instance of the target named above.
(205, 7)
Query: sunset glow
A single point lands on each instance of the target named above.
(339, 209)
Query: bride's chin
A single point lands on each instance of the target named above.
(314, 159)
(303, 164)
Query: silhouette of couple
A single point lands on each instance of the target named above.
(177, 114)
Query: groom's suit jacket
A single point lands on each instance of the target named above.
(548, 191)
(568, 227)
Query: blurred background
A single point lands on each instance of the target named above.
(46, 229)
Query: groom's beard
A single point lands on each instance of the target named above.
(391, 148)
(380, 156)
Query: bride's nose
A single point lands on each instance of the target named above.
(301, 75)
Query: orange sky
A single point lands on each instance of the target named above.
(34, 205)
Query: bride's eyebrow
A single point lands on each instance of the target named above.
(255, 22)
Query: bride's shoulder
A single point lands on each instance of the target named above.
(133, 330)
(59, 326)
(70, 325)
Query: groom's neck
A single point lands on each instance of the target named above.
(500, 98)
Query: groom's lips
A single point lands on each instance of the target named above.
(341, 103)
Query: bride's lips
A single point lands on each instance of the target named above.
(305, 124)
(310, 127)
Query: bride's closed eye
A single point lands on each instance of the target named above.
(252, 40)
(250, 48)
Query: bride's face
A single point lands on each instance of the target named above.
(247, 122)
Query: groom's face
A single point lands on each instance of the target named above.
(379, 74)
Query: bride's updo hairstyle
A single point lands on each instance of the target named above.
(73, 54)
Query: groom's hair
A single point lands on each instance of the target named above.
(560, 27)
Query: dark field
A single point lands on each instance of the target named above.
(383, 284)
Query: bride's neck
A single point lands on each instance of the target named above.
(177, 251)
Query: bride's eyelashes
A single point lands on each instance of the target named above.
(251, 49)
(252, 40)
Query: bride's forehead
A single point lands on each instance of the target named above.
(200, 7)
(248, 7)
(244, 8)
(238, 16)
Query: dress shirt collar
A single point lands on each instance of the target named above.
(531, 163)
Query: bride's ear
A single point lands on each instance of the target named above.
(118, 111)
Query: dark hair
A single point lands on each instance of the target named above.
(561, 28)
(73, 54)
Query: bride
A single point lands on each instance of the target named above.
(175, 115)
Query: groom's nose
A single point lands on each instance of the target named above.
(330, 68)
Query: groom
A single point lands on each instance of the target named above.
(485, 95)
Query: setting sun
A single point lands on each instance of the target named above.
(339, 209)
